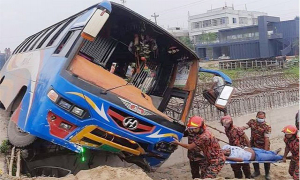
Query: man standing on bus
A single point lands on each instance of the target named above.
(237, 137)
(206, 142)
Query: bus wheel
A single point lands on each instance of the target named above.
(17, 137)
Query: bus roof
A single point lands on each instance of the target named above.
(193, 55)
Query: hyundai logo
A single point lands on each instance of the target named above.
(130, 123)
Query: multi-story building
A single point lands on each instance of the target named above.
(221, 18)
(270, 37)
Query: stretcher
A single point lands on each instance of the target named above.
(249, 162)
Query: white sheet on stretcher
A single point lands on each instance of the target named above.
(249, 162)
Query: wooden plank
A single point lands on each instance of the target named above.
(11, 161)
(18, 163)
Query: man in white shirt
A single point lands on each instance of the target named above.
(235, 153)
(218, 85)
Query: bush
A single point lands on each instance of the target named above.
(4, 146)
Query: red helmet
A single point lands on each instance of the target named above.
(290, 129)
(226, 120)
(196, 122)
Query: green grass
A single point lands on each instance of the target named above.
(292, 70)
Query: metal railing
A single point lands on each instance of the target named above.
(261, 90)
(250, 64)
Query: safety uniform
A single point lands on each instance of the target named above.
(258, 133)
(197, 160)
(236, 138)
(293, 145)
(259, 130)
(215, 158)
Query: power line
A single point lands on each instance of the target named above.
(273, 4)
(247, 3)
(180, 7)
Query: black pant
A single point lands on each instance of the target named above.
(196, 167)
(266, 166)
(237, 169)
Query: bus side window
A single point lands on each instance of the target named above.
(63, 42)
(27, 40)
(59, 31)
(30, 43)
(37, 39)
(47, 35)
(37, 42)
(67, 43)
(17, 49)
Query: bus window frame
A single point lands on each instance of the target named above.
(51, 35)
(30, 43)
(69, 43)
(23, 46)
(20, 45)
(42, 42)
(60, 33)
(64, 32)
(38, 39)
(34, 46)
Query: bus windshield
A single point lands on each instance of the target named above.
(133, 59)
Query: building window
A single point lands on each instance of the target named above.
(254, 21)
(233, 20)
(196, 25)
(243, 20)
(200, 24)
(224, 20)
(215, 22)
(206, 23)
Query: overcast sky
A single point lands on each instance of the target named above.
(22, 18)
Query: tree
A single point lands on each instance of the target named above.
(208, 37)
(186, 41)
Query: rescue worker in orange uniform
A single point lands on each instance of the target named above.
(291, 140)
(260, 134)
(196, 157)
(206, 142)
(237, 137)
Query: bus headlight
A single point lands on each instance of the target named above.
(52, 95)
(77, 111)
(64, 104)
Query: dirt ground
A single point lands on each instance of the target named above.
(179, 171)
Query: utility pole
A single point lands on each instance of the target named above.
(123, 2)
(155, 16)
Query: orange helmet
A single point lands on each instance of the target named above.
(290, 129)
(226, 120)
(196, 122)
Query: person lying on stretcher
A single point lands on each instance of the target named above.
(235, 153)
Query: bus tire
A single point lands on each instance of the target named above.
(17, 137)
